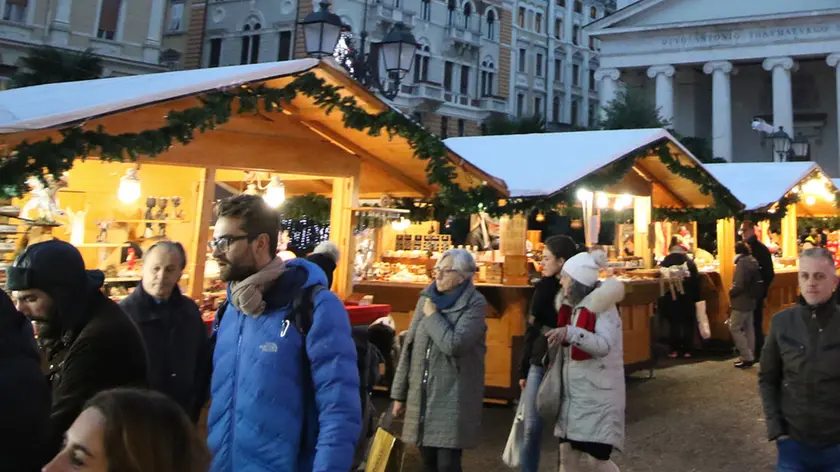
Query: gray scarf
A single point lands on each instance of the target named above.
(247, 295)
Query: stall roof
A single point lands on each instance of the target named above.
(135, 103)
(546, 163)
(761, 184)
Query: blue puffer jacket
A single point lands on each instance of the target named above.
(268, 412)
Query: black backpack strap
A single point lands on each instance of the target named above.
(303, 308)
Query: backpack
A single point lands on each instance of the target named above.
(368, 357)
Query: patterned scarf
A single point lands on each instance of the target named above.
(586, 320)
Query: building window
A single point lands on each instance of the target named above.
(593, 13)
(576, 34)
(451, 7)
(444, 127)
(421, 64)
(555, 109)
(575, 118)
(578, 6)
(215, 52)
(558, 70)
(176, 16)
(576, 75)
(561, 3)
(592, 79)
(558, 28)
(284, 51)
(109, 16)
(447, 76)
(15, 10)
(491, 25)
(467, 15)
(417, 116)
(461, 128)
(465, 80)
(521, 17)
(593, 115)
(538, 111)
(538, 21)
(591, 43)
(522, 61)
(250, 52)
(538, 68)
(520, 104)
(488, 78)
(426, 9)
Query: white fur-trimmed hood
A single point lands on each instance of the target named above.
(605, 296)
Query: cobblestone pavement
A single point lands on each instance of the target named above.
(701, 416)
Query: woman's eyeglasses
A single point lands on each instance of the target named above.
(441, 273)
(223, 243)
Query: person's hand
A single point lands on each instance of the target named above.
(522, 384)
(429, 307)
(556, 336)
(398, 409)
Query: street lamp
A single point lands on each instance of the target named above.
(789, 149)
(397, 50)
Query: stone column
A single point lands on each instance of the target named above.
(833, 60)
(608, 86)
(781, 67)
(721, 108)
(60, 25)
(664, 76)
(151, 48)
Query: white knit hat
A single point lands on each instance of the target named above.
(586, 266)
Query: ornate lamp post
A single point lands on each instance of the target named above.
(789, 149)
(322, 31)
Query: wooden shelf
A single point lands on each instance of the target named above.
(152, 221)
(106, 245)
(116, 280)
(396, 211)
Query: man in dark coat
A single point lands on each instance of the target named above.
(90, 343)
(24, 394)
(765, 264)
(175, 335)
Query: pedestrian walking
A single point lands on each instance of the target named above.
(681, 311)
(747, 287)
(90, 344)
(24, 394)
(591, 421)
(800, 372)
(131, 430)
(439, 384)
(765, 263)
(175, 335)
(285, 397)
(542, 317)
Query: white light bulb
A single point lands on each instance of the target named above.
(129, 190)
(275, 192)
(584, 195)
(810, 200)
(602, 200)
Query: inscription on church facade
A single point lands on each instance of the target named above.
(749, 36)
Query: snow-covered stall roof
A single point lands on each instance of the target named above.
(761, 184)
(388, 165)
(546, 163)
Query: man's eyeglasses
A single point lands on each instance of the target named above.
(223, 243)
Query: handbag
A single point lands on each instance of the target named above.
(703, 320)
(551, 388)
(516, 437)
(387, 450)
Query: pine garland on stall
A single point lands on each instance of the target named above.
(54, 157)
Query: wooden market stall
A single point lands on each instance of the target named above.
(545, 164)
(296, 147)
(805, 191)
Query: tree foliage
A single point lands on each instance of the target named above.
(49, 65)
(503, 124)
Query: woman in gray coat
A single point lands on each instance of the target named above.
(439, 383)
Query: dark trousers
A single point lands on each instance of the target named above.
(438, 459)
(758, 325)
(683, 326)
(798, 457)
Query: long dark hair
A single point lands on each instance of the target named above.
(146, 431)
(561, 246)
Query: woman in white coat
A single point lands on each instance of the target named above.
(591, 420)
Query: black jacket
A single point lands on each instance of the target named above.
(177, 345)
(799, 377)
(107, 353)
(765, 261)
(24, 395)
(326, 263)
(684, 305)
(542, 316)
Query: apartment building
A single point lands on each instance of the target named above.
(127, 35)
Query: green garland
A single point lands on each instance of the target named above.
(55, 157)
(307, 207)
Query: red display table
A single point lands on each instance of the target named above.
(365, 315)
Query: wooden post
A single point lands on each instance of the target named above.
(726, 251)
(790, 232)
(345, 196)
(204, 214)
(642, 221)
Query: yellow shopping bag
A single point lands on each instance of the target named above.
(386, 453)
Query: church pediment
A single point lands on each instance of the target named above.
(660, 14)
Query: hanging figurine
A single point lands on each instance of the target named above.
(103, 230)
(161, 215)
(150, 205)
(44, 200)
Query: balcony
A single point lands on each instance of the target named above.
(463, 100)
(464, 31)
(387, 14)
(422, 96)
(539, 83)
(522, 79)
(493, 104)
(16, 31)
